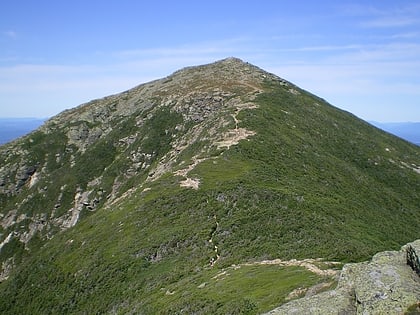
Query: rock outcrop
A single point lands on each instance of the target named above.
(385, 285)
(413, 259)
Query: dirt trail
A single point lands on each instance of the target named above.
(309, 264)
(229, 138)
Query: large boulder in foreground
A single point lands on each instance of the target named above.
(385, 285)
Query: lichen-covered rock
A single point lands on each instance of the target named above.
(385, 285)
(339, 301)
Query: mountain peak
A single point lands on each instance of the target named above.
(185, 190)
(229, 75)
(233, 60)
(230, 64)
(230, 60)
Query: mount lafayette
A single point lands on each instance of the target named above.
(220, 189)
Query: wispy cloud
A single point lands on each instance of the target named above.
(408, 35)
(390, 21)
(336, 72)
(48, 89)
(208, 48)
(10, 34)
(370, 91)
(393, 16)
(322, 48)
(363, 78)
(64, 85)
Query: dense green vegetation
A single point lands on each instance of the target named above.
(312, 182)
(147, 249)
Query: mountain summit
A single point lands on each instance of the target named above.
(220, 189)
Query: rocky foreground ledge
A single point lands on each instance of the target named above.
(388, 284)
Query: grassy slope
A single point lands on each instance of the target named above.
(313, 182)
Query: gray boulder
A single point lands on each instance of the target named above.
(385, 285)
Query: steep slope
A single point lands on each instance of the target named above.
(141, 202)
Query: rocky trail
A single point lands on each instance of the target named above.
(214, 259)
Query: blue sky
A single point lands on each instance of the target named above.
(361, 56)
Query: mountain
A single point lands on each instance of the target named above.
(220, 189)
(12, 128)
(409, 131)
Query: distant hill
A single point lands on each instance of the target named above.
(12, 128)
(219, 189)
(409, 131)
